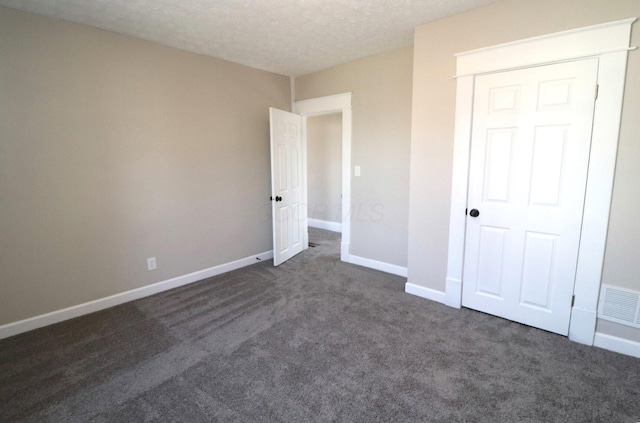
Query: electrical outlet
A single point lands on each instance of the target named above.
(357, 171)
(151, 263)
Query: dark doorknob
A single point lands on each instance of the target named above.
(278, 198)
(474, 213)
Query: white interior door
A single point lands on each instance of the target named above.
(288, 212)
(530, 147)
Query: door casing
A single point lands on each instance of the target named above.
(609, 43)
(339, 103)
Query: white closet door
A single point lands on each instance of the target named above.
(529, 157)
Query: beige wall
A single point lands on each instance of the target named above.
(324, 167)
(433, 125)
(381, 87)
(113, 150)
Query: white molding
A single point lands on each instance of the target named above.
(453, 290)
(344, 250)
(609, 42)
(339, 103)
(305, 193)
(617, 344)
(581, 328)
(323, 105)
(15, 328)
(325, 224)
(424, 292)
(599, 190)
(590, 41)
(346, 181)
(378, 265)
(460, 177)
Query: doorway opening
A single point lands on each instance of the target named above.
(324, 172)
(339, 104)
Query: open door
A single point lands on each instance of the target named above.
(288, 212)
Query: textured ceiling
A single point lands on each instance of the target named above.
(289, 37)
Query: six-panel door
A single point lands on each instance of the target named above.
(529, 157)
(286, 185)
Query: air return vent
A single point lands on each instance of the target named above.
(620, 305)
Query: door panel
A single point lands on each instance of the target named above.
(283, 184)
(529, 157)
(498, 164)
(286, 184)
(295, 167)
(548, 158)
(492, 243)
(537, 269)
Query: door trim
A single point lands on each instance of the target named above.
(339, 103)
(609, 43)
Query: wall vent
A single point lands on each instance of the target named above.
(619, 305)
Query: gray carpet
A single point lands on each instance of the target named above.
(314, 340)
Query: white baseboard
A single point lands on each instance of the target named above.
(57, 316)
(428, 293)
(453, 292)
(619, 345)
(378, 265)
(325, 224)
(582, 326)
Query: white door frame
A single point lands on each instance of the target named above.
(339, 103)
(609, 43)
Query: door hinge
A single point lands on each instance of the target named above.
(597, 89)
(573, 300)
